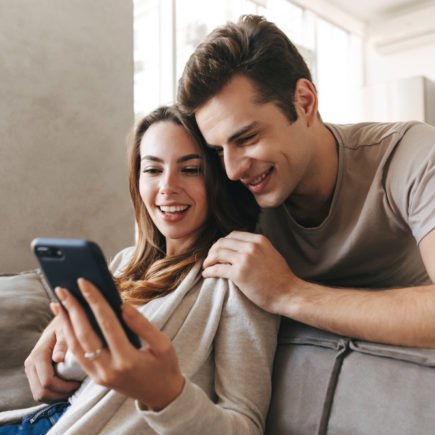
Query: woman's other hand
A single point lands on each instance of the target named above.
(44, 384)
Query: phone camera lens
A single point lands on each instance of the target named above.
(48, 252)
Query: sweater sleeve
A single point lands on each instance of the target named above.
(244, 347)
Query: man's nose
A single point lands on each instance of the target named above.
(236, 165)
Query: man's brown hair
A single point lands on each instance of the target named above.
(252, 47)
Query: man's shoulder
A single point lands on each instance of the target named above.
(373, 134)
(413, 156)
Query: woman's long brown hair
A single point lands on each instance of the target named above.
(150, 273)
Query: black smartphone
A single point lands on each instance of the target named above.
(63, 261)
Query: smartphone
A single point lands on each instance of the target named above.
(63, 261)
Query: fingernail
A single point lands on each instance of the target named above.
(54, 307)
(61, 293)
(85, 288)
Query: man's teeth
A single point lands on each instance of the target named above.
(173, 208)
(259, 179)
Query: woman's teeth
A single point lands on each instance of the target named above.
(173, 208)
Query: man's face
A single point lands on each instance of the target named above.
(257, 143)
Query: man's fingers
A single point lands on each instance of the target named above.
(244, 236)
(232, 243)
(222, 256)
(236, 242)
(218, 271)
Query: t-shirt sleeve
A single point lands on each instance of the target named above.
(411, 180)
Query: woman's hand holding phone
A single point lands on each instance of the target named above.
(150, 374)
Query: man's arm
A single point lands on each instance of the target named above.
(402, 316)
(45, 385)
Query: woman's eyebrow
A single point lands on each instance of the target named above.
(153, 158)
(179, 160)
(188, 157)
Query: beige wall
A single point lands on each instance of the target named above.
(66, 105)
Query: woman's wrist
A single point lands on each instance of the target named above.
(161, 402)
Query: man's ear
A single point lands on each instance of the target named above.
(305, 99)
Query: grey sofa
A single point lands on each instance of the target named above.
(323, 383)
(328, 384)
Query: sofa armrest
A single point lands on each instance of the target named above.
(24, 313)
(329, 384)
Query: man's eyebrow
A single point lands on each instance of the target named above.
(179, 160)
(242, 131)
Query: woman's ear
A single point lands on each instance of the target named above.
(305, 100)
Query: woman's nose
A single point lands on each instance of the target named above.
(169, 184)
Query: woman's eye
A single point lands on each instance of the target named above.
(192, 170)
(151, 171)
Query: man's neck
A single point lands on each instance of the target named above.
(310, 210)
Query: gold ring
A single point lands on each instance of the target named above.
(91, 356)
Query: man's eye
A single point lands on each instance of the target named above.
(192, 170)
(247, 139)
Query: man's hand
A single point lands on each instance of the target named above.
(254, 265)
(45, 385)
(400, 316)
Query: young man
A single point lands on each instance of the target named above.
(348, 217)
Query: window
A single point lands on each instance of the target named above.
(167, 32)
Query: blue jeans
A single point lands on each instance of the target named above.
(38, 423)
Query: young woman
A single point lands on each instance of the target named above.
(206, 360)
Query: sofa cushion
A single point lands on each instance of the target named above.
(328, 384)
(24, 313)
(384, 390)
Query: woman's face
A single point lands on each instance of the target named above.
(171, 184)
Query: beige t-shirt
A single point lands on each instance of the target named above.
(383, 205)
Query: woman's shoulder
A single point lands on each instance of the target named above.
(236, 307)
(234, 298)
(120, 260)
(216, 285)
